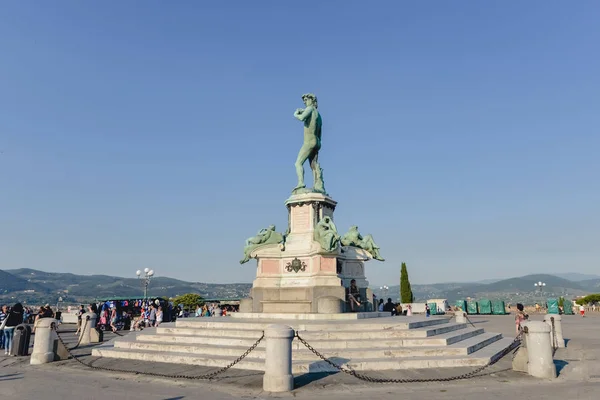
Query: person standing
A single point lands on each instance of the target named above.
(13, 318)
(3, 311)
(159, 316)
(520, 316)
(152, 316)
(582, 310)
(80, 313)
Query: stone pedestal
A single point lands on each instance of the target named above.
(291, 277)
(539, 349)
(556, 335)
(88, 321)
(461, 317)
(278, 359)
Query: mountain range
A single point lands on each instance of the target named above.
(35, 287)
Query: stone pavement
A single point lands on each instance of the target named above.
(578, 367)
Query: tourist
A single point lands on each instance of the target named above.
(217, 311)
(427, 310)
(582, 310)
(398, 309)
(159, 316)
(409, 310)
(520, 316)
(3, 315)
(152, 316)
(380, 306)
(80, 313)
(353, 295)
(388, 307)
(113, 318)
(13, 318)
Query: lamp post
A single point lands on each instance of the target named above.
(540, 286)
(145, 279)
(385, 290)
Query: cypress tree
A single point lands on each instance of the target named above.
(406, 294)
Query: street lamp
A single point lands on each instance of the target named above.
(540, 286)
(385, 290)
(145, 279)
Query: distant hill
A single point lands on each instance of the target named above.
(11, 283)
(88, 287)
(48, 286)
(577, 277)
(513, 289)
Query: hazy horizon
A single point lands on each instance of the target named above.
(462, 136)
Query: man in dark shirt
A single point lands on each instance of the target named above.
(389, 306)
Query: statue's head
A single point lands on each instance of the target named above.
(310, 100)
(326, 219)
(354, 228)
(271, 227)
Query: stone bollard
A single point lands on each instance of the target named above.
(461, 317)
(539, 349)
(46, 346)
(278, 360)
(88, 323)
(557, 331)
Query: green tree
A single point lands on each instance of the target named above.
(406, 294)
(589, 299)
(189, 300)
(561, 301)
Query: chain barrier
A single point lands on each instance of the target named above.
(87, 318)
(515, 343)
(208, 376)
(554, 339)
(472, 324)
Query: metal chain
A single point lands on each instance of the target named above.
(472, 324)
(515, 343)
(208, 376)
(554, 340)
(87, 318)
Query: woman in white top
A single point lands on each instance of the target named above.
(159, 316)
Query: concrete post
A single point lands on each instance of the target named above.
(461, 317)
(278, 362)
(560, 341)
(44, 344)
(88, 322)
(539, 349)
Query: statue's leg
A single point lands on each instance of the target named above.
(319, 185)
(303, 155)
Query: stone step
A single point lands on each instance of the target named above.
(301, 366)
(386, 333)
(302, 353)
(179, 358)
(210, 340)
(392, 332)
(373, 324)
(443, 339)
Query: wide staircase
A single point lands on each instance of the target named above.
(369, 344)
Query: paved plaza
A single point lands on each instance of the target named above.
(578, 367)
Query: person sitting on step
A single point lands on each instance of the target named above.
(353, 295)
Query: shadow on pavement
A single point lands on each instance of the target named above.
(560, 364)
(306, 379)
(10, 377)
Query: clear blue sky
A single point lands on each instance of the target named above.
(464, 136)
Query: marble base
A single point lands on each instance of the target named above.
(310, 317)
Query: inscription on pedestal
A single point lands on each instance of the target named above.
(301, 219)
